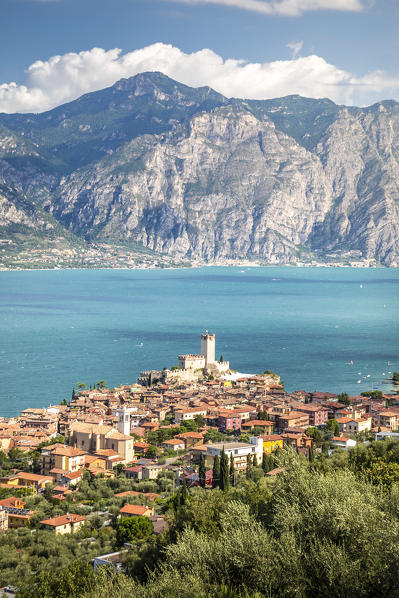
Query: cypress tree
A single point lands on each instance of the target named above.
(249, 461)
(202, 472)
(311, 454)
(255, 461)
(267, 462)
(184, 493)
(216, 472)
(264, 463)
(232, 470)
(224, 471)
(73, 394)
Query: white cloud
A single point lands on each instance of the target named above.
(296, 48)
(285, 7)
(64, 78)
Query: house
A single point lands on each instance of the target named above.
(141, 447)
(343, 442)
(297, 441)
(267, 426)
(111, 458)
(65, 524)
(18, 516)
(272, 442)
(136, 511)
(354, 426)
(29, 480)
(388, 419)
(63, 457)
(318, 415)
(66, 478)
(151, 471)
(174, 444)
(191, 438)
(293, 419)
(94, 463)
(134, 473)
(197, 451)
(238, 450)
(192, 479)
(229, 420)
(189, 414)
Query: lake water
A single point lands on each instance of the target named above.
(306, 324)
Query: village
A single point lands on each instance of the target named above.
(170, 429)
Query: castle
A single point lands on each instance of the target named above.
(206, 360)
(190, 367)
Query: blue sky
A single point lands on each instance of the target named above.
(343, 49)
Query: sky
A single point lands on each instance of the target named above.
(53, 51)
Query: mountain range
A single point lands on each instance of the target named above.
(190, 173)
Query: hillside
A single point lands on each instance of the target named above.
(162, 167)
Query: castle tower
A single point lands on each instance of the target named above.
(124, 421)
(208, 348)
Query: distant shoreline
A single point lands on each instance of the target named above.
(210, 265)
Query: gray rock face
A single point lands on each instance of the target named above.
(190, 173)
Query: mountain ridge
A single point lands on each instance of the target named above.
(187, 172)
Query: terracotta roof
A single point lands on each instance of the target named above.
(63, 520)
(73, 475)
(67, 451)
(134, 510)
(257, 422)
(10, 502)
(173, 441)
(32, 477)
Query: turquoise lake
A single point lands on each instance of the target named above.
(306, 324)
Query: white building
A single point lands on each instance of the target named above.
(239, 450)
(343, 442)
(355, 426)
(182, 415)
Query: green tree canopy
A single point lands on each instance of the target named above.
(130, 529)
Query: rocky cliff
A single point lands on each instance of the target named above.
(193, 174)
